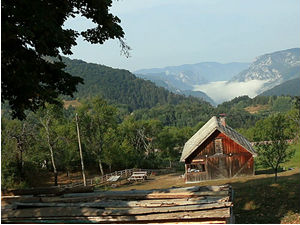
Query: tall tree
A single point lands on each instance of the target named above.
(138, 141)
(49, 118)
(19, 134)
(96, 117)
(34, 29)
(273, 151)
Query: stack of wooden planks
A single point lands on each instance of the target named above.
(200, 204)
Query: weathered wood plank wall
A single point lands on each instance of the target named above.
(235, 160)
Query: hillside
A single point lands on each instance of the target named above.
(290, 87)
(121, 86)
(170, 87)
(273, 68)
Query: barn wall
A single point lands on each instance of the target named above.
(235, 160)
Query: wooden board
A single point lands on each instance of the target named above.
(102, 215)
(125, 204)
(175, 205)
(48, 191)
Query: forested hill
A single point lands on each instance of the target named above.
(290, 87)
(121, 86)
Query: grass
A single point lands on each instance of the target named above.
(295, 161)
(263, 201)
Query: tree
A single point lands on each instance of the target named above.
(171, 141)
(17, 140)
(274, 150)
(96, 117)
(294, 117)
(22, 133)
(139, 140)
(112, 154)
(34, 29)
(49, 118)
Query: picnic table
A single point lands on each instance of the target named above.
(141, 175)
(113, 178)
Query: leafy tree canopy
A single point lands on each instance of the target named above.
(34, 29)
(274, 151)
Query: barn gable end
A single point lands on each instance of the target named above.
(217, 151)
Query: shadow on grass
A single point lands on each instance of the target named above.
(261, 200)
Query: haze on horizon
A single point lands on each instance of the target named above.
(176, 32)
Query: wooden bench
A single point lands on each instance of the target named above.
(141, 175)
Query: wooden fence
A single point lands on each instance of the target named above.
(122, 173)
(103, 179)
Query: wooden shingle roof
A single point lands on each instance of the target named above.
(208, 129)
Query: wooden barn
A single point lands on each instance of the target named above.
(217, 151)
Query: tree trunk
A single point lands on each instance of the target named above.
(100, 167)
(19, 157)
(110, 168)
(275, 171)
(53, 164)
(80, 151)
(55, 178)
(52, 156)
(170, 163)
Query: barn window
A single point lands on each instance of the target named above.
(218, 146)
(197, 167)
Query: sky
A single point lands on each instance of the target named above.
(174, 32)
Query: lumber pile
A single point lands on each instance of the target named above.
(206, 204)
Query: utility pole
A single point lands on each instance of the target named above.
(80, 151)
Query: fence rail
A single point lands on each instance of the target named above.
(122, 173)
(102, 179)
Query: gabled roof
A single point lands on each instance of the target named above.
(210, 127)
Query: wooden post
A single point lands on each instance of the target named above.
(80, 151)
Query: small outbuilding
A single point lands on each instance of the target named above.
(217, 151)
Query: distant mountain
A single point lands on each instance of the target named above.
(290, 87)
(121, 86)
(184, 77)
(197, 94)
(273, 68)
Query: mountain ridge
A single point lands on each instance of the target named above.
(273, 68)
(182, 78)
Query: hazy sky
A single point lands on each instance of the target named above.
(174, 32)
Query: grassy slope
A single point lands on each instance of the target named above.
(257, 199)
(295, 161)
(263, 201)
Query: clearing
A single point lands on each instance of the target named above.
(257, 108)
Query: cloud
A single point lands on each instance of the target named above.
(221, 91)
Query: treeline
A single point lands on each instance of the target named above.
(47, 141)
(238, 111)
